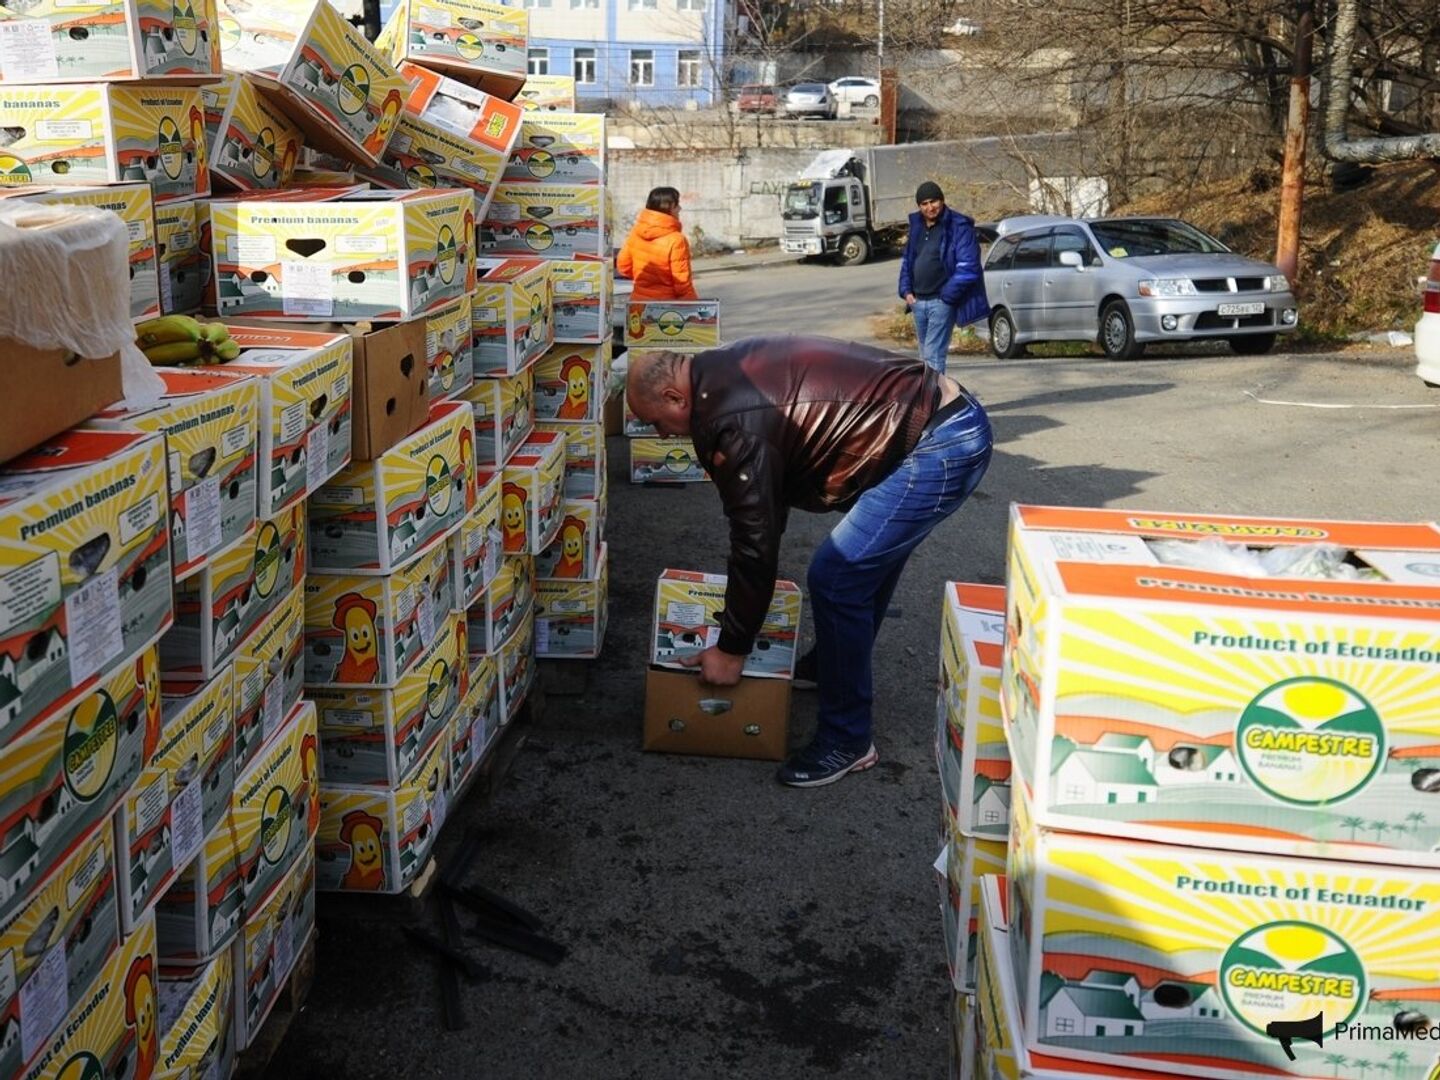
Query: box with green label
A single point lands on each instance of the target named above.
(507, 603)
(656, 460)
(475, 725)
(269, 676)
(276, 807)
(253, 145)
(673, 324)
(53, 41)
(551, 221)
(559, 148)
(512, 315)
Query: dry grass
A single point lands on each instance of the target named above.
(894, 325)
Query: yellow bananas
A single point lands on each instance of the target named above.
(179, 340)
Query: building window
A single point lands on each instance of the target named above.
(1076, 793)
(687, 68)
(575, 5)
(537, 3)
(1064, 1025)
(585, 67)
(992, 817)
(642, 67)
(648, 5)
(691, 5)
(539, 62)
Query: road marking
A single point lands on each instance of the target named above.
(1330, 405)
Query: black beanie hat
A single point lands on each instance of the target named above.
(929, 190)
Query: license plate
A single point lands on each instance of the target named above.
(1240, 309)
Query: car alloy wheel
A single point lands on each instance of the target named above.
(871, 101)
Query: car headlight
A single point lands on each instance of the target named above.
(1278, 283)
(1167, 287)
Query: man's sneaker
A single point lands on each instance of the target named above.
(814, 767)
(806, 673)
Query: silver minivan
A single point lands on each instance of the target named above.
(1126, 283)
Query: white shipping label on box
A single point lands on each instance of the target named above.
(685, 614)
(28, 590)
(317, 457)
(27, 51)
(307, 289)
(92, 613)
(1097, 548)
(272, 708)
(187, 825)
(250, 250)
(202, 516)
(44, 1001)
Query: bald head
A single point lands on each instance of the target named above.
(657, 388)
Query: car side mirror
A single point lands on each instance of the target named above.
(1072, 259)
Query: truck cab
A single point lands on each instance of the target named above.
(827, 210)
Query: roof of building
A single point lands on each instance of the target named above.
(1109, 767)
(1102, 1004)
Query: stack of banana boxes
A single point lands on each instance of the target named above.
(1225, 747)
(684, 326)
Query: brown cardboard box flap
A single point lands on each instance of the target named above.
(685, 716)
(392, 387)
(48, 391)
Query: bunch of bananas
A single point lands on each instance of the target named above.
(179, 340)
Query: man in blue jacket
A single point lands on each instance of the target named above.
(940, 275)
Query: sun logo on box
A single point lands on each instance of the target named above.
(275, 822)
(187, 30)
(1289, 971)
(263, 157)
(438, 488)
(267, 558)
(92, 744)
(170, 145)
(445, 253)
(353, 89)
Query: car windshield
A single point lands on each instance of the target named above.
(802, 201)
(757, 90)
(809, 88)
(1133, 237)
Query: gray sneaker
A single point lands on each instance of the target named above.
(813, 767)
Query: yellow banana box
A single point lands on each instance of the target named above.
(112, 1028)
(183, 267)
(963, 861)
(476, 550)
(448, 350)
(276, 807)
(571, 616)
(582, 300)
(181, 795)
(970, 747)
(368, 630)
(104, 133)
(338, 87)
(530, 502)
(665, 461)
(475, 117)
(366, 255)
(273, 938)
(135, 205)
(84, 568)
(198, 916)
(197, 1020)
(547, 93)
(269, 676)
(962, 1036)
(507, 603)
(422, 155)
(475, 725)
(559, 148)
(687, 620)
(504, 412)
(673, 324)
(58, 940)
(110, 40)
(479, 43)
(584, 457)
(1149, 698)
(232, 594)
(210, 420)
(529, 219)
(372, 737)
(378, 839)
(379, 516)
(516, 665)
(512, 314)
(305, 408)
(570, 382)
(253, 145)
(575, 553)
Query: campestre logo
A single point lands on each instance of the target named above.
(1290, 971)
(263, 153)
(677, 460)
(420, 176)
(1310, 741)
(670, 323)
(187, 31)
(353, 90)
(539, 236)
(469, 46)
(541, 164)
(92, 742)
(267, 558)
(435, 690)
(171, 148)
(445, 254)
(275, 822)
(437, 484)
(13, 171)
(83, 1066)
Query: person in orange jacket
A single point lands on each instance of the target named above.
(656, 255)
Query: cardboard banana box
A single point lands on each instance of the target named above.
(482, 44)
(269, 944)
(504, 411)
(422, 155)
(58, 940)
(305, 408)
(197, 1020)
(970, 747)
(963, 861)
(477, 548)
(379, 516)
(570, 383)
(547, 93)
(583, 290)
(252, 144)
(183, 267)
(276, 807)
(232, 595)
(475, 724)
(197, 917)
(448, 350)
(507, 603)
(105, 133)
(962, 1036)
(575, 553)
(687, 614)
(673, 324)
(84, 565)
(530, 502)
(481, 121)
(182, 794)
(665, 461)
(269, 676)
(512, 314)
(372, 737)
(112, 40)
(552, 221)
(1154, 700)
(559, 148)
(516, 664)
(377, 839)
(368, 630)
(571, 616)
(210, 420)
(584, 457)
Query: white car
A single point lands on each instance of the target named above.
(810, 99)
(1427, 330)
(856, 91)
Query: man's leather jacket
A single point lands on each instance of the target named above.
(796, 421)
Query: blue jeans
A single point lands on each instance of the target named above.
(934, 326)
(854, 572)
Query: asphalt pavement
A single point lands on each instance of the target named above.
(720, 925)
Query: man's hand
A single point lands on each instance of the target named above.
(910, 298)
(716, 668)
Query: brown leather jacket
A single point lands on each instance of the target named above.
(807, 422)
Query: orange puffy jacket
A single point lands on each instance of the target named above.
(656, 256)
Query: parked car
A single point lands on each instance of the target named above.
(1427, 330)
(757, 98)
(810, 99)
(856, 91)
(1127, 283)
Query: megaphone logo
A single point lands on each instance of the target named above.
(1312, 1030)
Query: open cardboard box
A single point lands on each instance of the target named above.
(686, 716)
(49, 390)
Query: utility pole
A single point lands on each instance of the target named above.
(880, 58)
(1297, 122)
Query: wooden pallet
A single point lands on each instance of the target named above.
(254, 1060)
